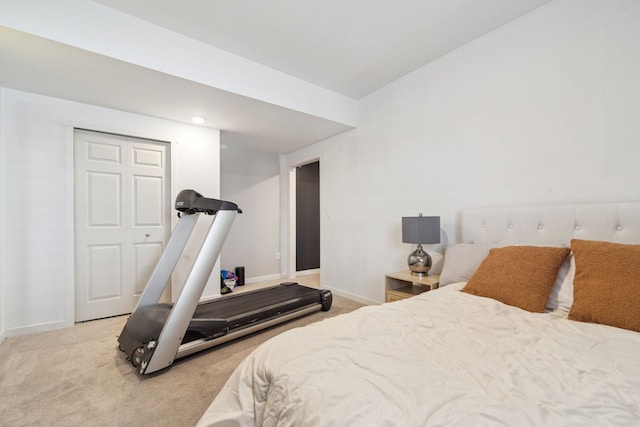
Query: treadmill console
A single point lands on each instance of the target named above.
(191, 202)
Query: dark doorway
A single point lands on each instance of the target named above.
(308, 217)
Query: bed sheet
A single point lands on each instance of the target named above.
(443, 358)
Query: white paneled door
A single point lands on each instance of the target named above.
(122, 220)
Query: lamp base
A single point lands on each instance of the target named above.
(419, 274)
(419, 262)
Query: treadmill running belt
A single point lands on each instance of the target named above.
(255, 306)
(235, 306)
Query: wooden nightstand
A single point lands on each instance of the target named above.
(403, 285)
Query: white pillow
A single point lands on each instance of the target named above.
(561, 296)
(461, 260)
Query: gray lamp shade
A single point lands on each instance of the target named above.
(421, 229)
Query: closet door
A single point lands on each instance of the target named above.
(122, 220)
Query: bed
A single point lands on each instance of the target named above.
(535, 324)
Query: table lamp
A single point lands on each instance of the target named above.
(421, 230)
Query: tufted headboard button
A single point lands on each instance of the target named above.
(553, 223)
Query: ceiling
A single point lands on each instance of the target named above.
(348, 47)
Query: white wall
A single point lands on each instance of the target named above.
(542, 110)
(36, 224)
(2, 297)
(251, 179)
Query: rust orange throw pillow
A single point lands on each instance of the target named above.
(521, 276)
(606, 287)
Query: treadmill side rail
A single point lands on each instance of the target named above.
(167, 263)
(190, 348)
(177, 323)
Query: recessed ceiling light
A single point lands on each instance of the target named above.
(198, 120)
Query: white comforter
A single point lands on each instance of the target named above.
(443, 358)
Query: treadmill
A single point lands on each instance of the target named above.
(156, 333)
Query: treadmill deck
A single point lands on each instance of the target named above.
(228, 314)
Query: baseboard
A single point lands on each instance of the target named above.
(353, 297)
(263, 278)
(34, 329)
(308, 272)
(3, 335)
(280, 276)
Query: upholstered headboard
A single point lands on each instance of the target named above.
(552, 224)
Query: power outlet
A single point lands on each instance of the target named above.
(277, 255)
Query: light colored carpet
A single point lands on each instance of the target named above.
(78, 377)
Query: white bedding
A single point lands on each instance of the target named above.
(444, 358)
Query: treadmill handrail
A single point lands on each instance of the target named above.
(191, 202)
